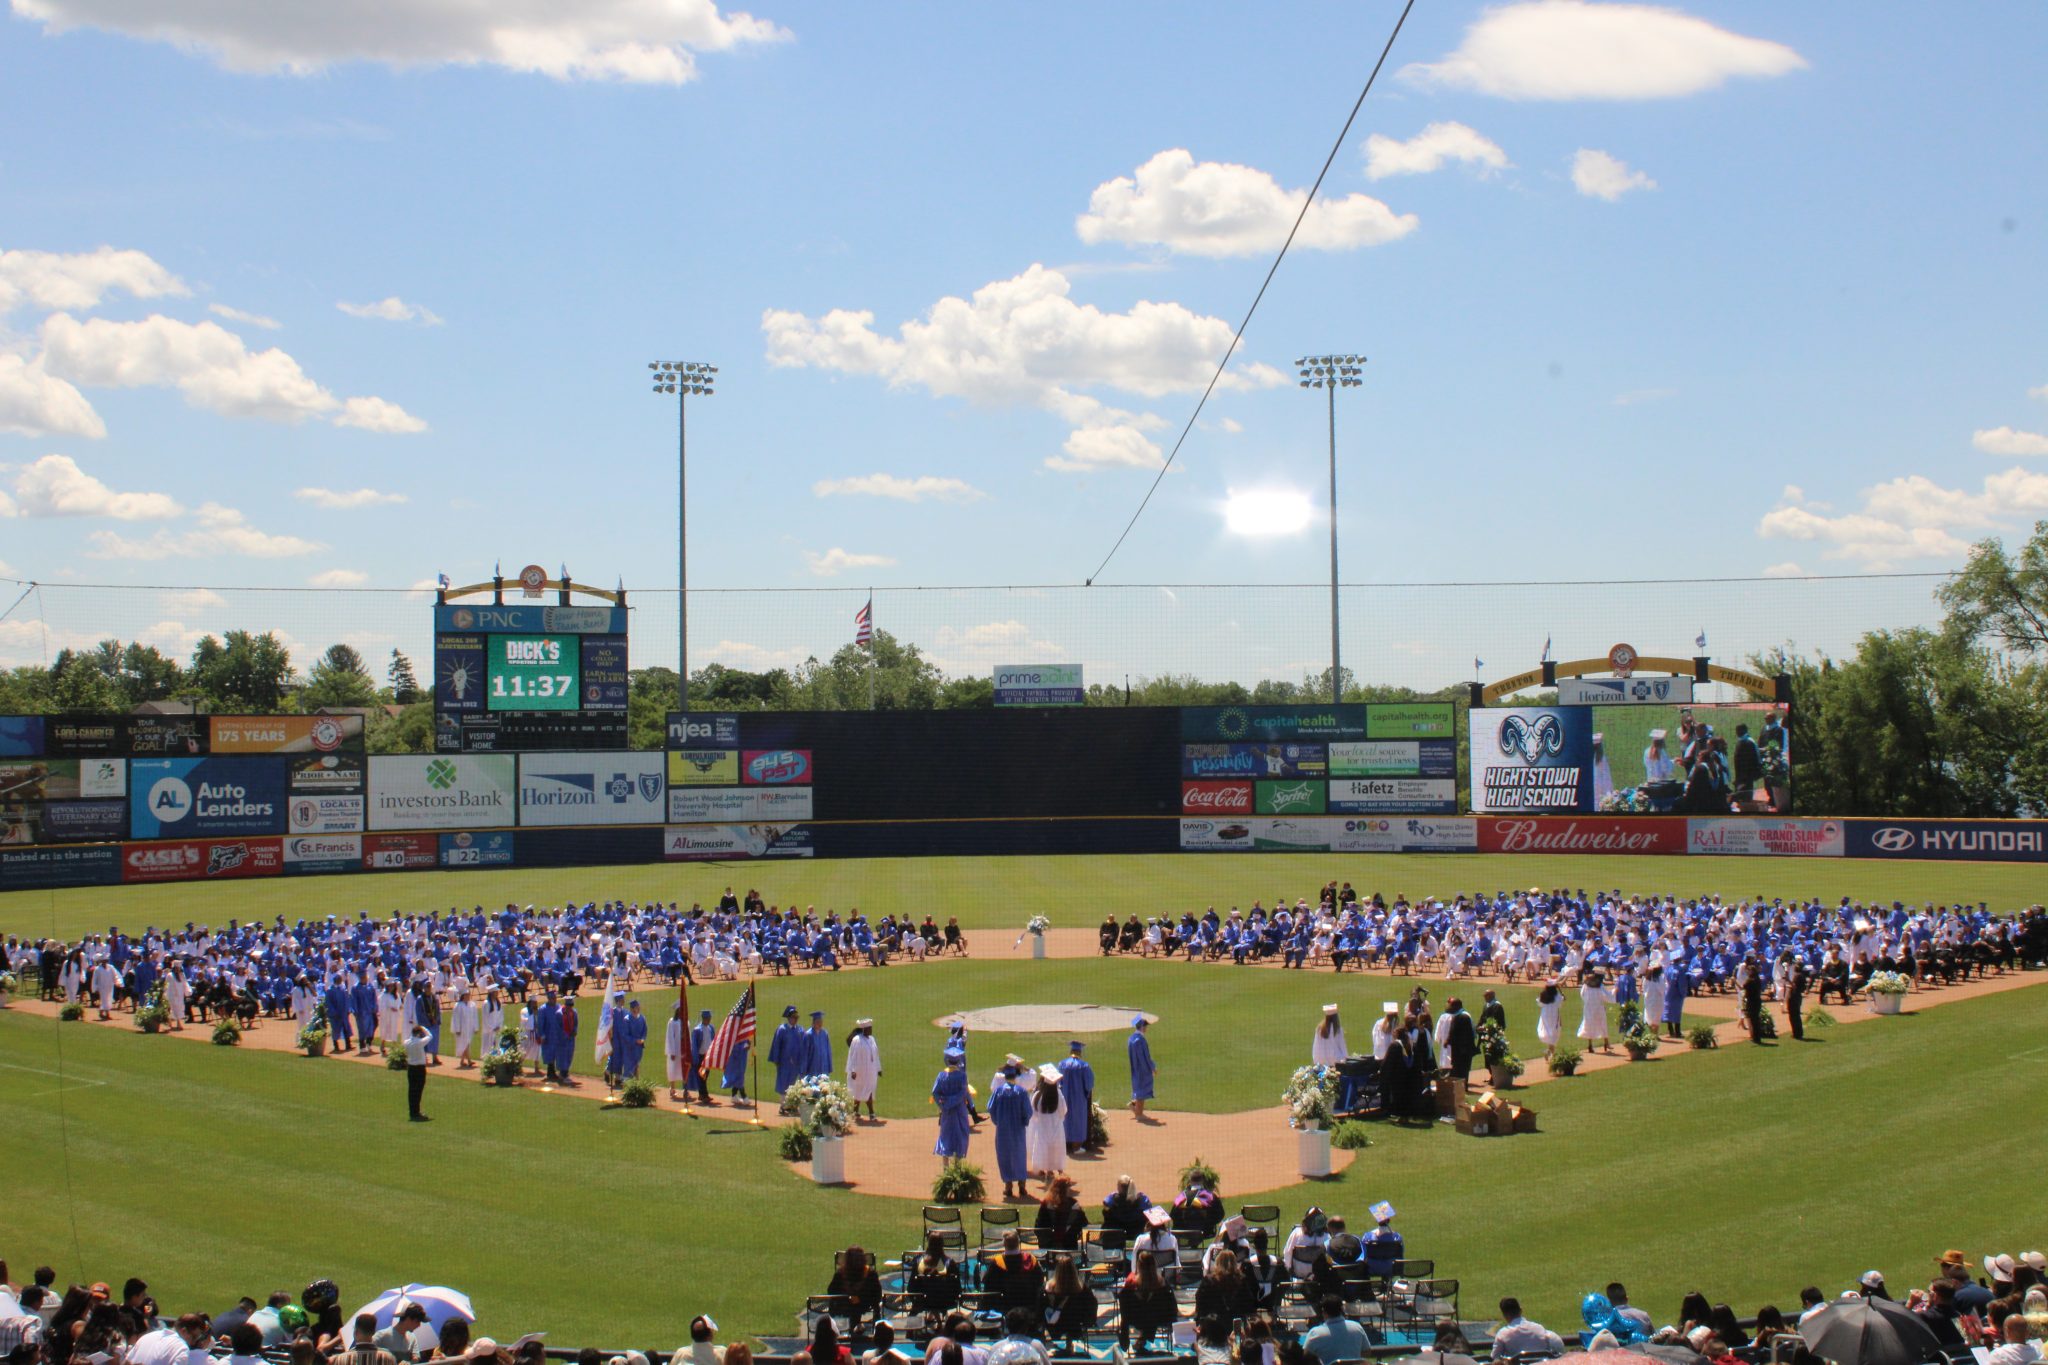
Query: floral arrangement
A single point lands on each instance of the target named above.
(958, 1182)
(1565, 1061)
(394, 1055)
(227, 1033)
(1636, 1031)
(1494, 1049)
(1702, 1037)
(638, 1094)
(1624, 801)
(1198, 1182)
(8, 984)
(1037, 925)
(501, 1065)
(1098, 1126)
(794, 1144)
(1888, 983)
(314, 1034)
(821, 1106)
(154, 1013)
(71, 1013)
(1311, 1097)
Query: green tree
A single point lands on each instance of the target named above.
(339, 679)
(966, 694)
(411, 731)
(241, 672)
(2002, 596)
(405, 684)
(895, 675)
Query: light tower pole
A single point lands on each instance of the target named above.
(683, 378)
(1331, 373)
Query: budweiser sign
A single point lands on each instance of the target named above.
(1650, 834)
(1216, 798)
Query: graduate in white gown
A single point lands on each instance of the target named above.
(1327, 1047)
(676, 1049)
(491, 1019)
(1549, 1017)
(863, 1067)
(1045, 1138)
(1594, 998)
(465, 1021)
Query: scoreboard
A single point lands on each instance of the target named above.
(528, 676)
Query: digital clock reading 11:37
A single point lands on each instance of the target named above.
(532, 672)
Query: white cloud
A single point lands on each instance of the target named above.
(217, 531)
(1575, 50)
(54, 486)
(330, 500)
(1601, 176)
(221, 310)
(1231, 426)
(52, 280)
(2038, 391)
(34, 402)
(974, 649)
(1910, 518)
(392, 309)
(192, 601)
(338, 578)
(836, 560)
(1787, 569)
(1215, 208)
(1024, 341)
(1429, 149)
(918, 489)
(2009, 441)
(208, 364)
(755, 658)
(630, 41)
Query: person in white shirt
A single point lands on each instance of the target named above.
(1158, 1239)
(1305, 1244)
(1594, 998)
(1518, 1335)
(1328, 1048)
(676, 1048)
(2018, 1349)
(105, 981)
(416, 1071)
(863, 1067)
(184, 1342)
(464, 1021)
(1383, 1032)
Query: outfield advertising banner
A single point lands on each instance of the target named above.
(1216, 798)
(1584, 834)
(327, 775)
(400, 852)
(63, 779)
(622, 788)
(1262, 724)
(483, 848)
(1216, 836)
(458, 674)
(775, 767)
(1395, 758)
(1292, 836)
(1411, 720)
(285, 734)
(83, 822)
(1039, 685)
(21, 736)
(1624, 691)
(703, 768)
(1531, 758)
(605, 682)
(1456, 834)
(1396, 795)
(172, 798)
(1222, 761)
(442, 791)
(2010, 841)
(715, 804)
(23, 869)
(722, 842)
(181, 860)
(1300, 796)
(308, 853)
(703, 730)
(324, 815)
(1741, 836)
(532, 620)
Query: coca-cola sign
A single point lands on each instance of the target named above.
(1216, 798)
(1583, 834)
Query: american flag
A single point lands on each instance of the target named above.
(864, 623)
(738, 1028)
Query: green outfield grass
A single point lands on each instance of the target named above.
(1746, 1174)
(1001, 893)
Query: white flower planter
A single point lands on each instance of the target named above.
(1312, 1152)
(1886, 1004)
(1038, 945)
(828, 1160)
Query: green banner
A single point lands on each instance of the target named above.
(1409, 720)
(1294, 796)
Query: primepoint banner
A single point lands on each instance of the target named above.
(715, 804)
(1531, 758)
(619, 788)
(443, 791)
(1741, 836)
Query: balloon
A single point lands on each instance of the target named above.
(1597, 1312)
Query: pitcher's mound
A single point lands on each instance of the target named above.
(1046, 1019)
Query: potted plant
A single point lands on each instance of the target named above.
(1637, 1034)
(1034, 929)
(794, 1143)
(1098, 1127)
(1502, 1065)
(1887, 991)
(637, 1094)
(1311, 1100)
(154, 1014)
(227, 1033)
(958, 1182)
(394, 1055)
(1565, 1061)
(1777, 777)
(312, 1039)
(501, 1065)
(8, 986)
(824, 1111)
(71, 1013)
(1702, 1037)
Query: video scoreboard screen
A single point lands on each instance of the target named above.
(529, 676)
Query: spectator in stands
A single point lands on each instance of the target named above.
(1020, 1344)
(1013, 1275)
(1070, 1307)
(1061, 1218)
(1722, 1319)
(934, 1282)
(138, 1309)
(1336, 1337)
(226, 1323)
(1212, 1341)
(855, 1282)
(1694, 1311)
(183, 1342)
(247, 1343)
(2019, 1348)
(1159, 1241)
(826, 1348)
(365, 1350)
(1702, 1338)
(1770, 1324)
(943, 1351)
(1124, 1209)
(1810, 1302)
(1939, 1313)
(1145, 1303)
(885, 1352)
(1617, 1294)
(701, 1350)
(1870, 1284)
(397, 1338)
(1519, 1336)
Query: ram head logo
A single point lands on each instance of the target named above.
(1532, 739)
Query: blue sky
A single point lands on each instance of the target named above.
(358, 293)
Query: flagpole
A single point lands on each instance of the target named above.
(754, 1059)
(871, 647)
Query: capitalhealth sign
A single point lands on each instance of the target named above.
(621, 788)
(1531, 758)
(442, 791)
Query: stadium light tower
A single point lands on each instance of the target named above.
(685, 379)
(1331, 373)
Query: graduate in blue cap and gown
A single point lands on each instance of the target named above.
(949, 1093)
(734, 1078)
(1077, 1084)
(701, 1038)
(1009, 1109)
(629, 1040)
(817, 1047)
(787, 1050)
(1142, 1070)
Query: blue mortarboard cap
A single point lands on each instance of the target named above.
(954, 1054)
(1137, 1021)
(1076, 1045)
(788, 1011)
(817, 1014)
